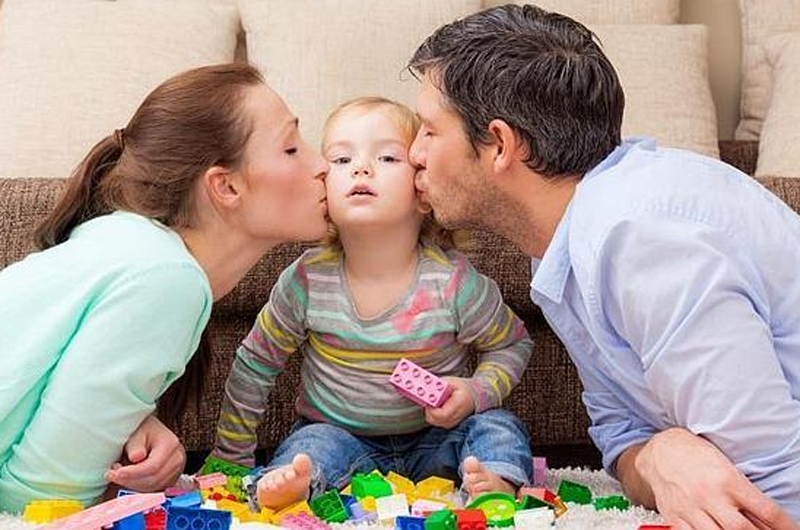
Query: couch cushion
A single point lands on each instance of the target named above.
(73, 71)
(761, 20)
(664, 72)
(319, 54)
(609, 11)
(780, 136)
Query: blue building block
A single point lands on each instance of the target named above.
(405, 522)
(197, 519)
(132, 522)
(192, 499)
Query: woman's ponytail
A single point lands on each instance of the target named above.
(79, 201)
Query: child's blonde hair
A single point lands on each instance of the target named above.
(407, 123)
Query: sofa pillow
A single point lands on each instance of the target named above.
(319, 54)
(664, 72)
(779, 148)
(609, 11)
(761, 20)
(71, 71)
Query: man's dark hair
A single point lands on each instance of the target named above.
(540, 72)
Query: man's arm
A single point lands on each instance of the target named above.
(686, 301)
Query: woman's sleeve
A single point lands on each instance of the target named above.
(133, 341)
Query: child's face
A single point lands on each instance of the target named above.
(371, 181)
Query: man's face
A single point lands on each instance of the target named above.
(450, 176)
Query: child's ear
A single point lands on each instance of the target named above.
(505, 146)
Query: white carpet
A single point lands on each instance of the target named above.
(578, 517)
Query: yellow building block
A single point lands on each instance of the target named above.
(369, 504)
(346, 490)
(434, 488)
(239, 510)
(294, 508)
(44, 511)
(402, 484)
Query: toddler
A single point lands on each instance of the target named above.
(383, 287)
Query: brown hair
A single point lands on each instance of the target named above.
(191, 122)
(408, 124)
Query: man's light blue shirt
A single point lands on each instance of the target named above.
(674, 282)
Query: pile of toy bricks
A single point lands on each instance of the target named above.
(220, 493)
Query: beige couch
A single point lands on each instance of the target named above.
(70, 72)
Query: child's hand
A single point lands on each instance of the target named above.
(457, 407)
(155, 458)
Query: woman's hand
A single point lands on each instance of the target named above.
(153, 459)
(457, 407)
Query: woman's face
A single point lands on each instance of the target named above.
(284, 198)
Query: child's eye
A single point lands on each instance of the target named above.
(341, 160)
(291, 151)
(388, 158)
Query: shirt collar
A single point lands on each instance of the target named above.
(551, 272)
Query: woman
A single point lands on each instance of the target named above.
(159, 220)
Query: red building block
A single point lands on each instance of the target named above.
(419, 385)
(470, 519)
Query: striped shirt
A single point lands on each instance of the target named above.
(448, 309)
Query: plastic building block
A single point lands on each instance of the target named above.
(401, 484)
(107, 513)
(359, 515)
(498, 507)
(369, 504)
(155, 520)
(419, 385)
(298, 507)
(425, 507)
(405, 522)
(528, 503)
(329, 507)
(205, 482)
(218, 465)
(44, 511)
(239, 510)
(370, 485)
(574, 492)
(303, 521)
(132, 522)
(187, 500)
(218, 493)
(197, 519)
(441, 520)
(612, 502)
(535, 519)
(435, 488)
(539, 470)
(470, 519)
(391, 506)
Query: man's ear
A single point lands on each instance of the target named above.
(223, 187)
(505, 145)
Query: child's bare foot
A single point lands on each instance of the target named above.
(285, 485)
(477, 479)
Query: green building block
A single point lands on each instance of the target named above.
(612, 501)
(218, 465)
(527, 503)
(236, 488)
(329, 507)
(441, 520)
(574, 492)
(498, 507)
(370, 485)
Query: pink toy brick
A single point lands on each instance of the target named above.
(419, 385)
(303, 521)
(107, 513)
(539, 470)
(205, 482)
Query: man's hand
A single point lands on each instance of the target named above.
(153, 459)
(693, 485)
(457, 407)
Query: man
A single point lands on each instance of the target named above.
(671, 278)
